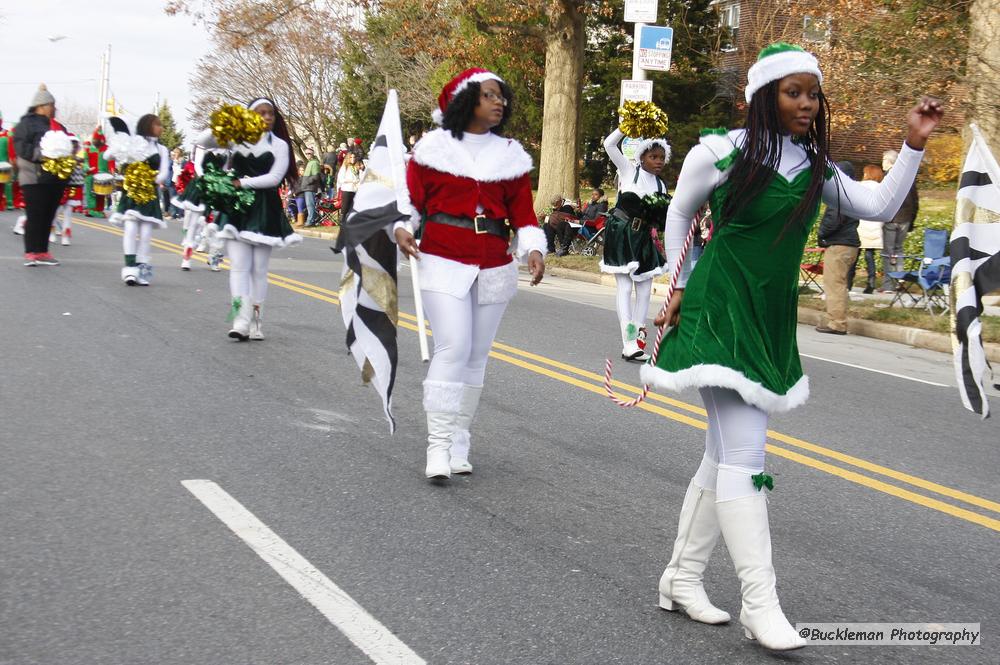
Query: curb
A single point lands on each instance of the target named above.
(310, 233)
(916, 337)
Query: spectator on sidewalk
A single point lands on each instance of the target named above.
(557, 226)
(330, 165)
(310, 184)
(838, 233)
(348, 179)
(596, 206)
(894, 233)
(869, 232)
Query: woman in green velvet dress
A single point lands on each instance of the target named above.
(734, 317)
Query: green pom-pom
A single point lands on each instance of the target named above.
(718, 131)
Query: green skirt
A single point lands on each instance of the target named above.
(629, 248)
(264, 223)
(130, 210)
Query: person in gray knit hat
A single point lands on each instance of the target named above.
(42, 190)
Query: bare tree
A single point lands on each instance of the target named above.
(299, 70)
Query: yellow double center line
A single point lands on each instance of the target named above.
(682, 412)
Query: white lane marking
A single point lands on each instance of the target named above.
(878, 371)
(364, 630)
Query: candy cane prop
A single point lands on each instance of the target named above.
(628, 403)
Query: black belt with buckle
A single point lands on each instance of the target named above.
(636, 222)
(480, 224)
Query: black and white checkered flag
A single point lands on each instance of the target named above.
(975, 260)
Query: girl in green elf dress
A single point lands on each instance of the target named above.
(251, 234)
(139, 219)
(629, 252)
(734, 318)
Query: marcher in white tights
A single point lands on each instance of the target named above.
(252, 233)
(467, 276)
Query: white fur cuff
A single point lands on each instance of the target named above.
(527, 240)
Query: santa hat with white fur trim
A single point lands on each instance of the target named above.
(777, 61)
(457, 85)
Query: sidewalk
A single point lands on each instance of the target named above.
(917, 337)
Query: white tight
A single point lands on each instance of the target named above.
(137, 239)
(463, 334)
(629, 312)
(195, 222)
(248, 270)
(65, 225)
(734, 444)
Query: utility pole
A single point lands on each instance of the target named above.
(104, 87)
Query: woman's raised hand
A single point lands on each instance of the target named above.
(921, 120)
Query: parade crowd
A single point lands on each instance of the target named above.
(731, 318)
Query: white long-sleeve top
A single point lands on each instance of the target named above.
(267, 143)
(645, 183)
(699, 177)
(164, 173)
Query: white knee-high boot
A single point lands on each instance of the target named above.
(241, 320)
(461, 440)
(748, 536)
(697, 532)
(442, 402)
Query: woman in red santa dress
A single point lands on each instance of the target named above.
(471, 187)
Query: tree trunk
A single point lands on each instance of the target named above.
(984, 70)
(559, 170)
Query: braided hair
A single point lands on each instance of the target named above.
(757, 161)
(280, 129)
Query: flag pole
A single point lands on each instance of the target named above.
(418, 304)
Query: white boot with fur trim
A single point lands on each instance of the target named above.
(461, 440)
(130, 275)
(442, 402)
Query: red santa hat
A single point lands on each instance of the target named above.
(98, 136)
(457, 85)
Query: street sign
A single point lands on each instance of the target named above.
(640, 11)
(655, 44)
(636, 91)
(629, 147)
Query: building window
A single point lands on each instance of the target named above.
(816, 29)
(729, 20)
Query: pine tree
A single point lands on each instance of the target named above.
(171, 137)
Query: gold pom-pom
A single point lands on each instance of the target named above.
(140, 182)
(60, 167)
(233, 124)
(642, 120)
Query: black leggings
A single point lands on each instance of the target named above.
(40, 205)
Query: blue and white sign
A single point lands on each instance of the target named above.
(655, 45)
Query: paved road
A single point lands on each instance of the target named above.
(886, 506)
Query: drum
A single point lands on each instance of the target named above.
(6, 172)
(119, 181)
(104, 184)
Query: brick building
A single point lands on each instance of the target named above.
(753, 24)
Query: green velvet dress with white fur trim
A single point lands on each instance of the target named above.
(739, 312)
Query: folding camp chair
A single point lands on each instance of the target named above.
(910, 292)
(811, 268)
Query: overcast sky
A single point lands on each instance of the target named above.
(150, 53)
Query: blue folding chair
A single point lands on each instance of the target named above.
(923, 283)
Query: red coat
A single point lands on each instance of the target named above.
(443, 177)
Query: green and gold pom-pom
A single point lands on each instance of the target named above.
(140, 182)
(60, 167)
(233, 124)
(642, 120)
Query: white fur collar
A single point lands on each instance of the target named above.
(500, 159)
